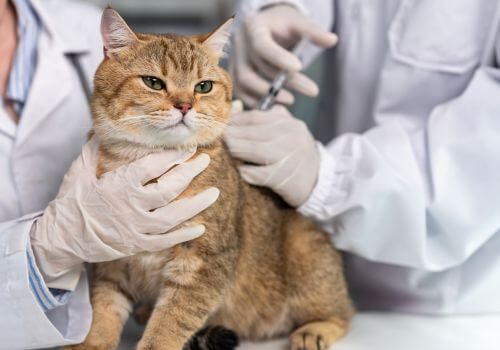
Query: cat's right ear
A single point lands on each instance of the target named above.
(116, 34)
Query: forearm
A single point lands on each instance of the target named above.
(378, 201)
(31, 316)
(55, 275)
(49, 295)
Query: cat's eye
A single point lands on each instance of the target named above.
(153, 83)
(203, 87)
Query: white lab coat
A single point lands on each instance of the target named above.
(409, 182)
(34, 156)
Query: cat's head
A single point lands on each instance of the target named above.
(161, 90)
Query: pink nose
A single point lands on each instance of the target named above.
(183, 107)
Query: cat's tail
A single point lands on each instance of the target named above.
(213, 338)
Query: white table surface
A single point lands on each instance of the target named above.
(384, 331)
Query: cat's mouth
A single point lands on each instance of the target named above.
(174, 122)
(172, 126)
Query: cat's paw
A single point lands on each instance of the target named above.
(317, 335)
(307, 341)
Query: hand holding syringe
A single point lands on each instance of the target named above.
(279, 80)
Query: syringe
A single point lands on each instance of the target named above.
(279, 80)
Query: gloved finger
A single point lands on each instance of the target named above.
(87, 160)
(165, 218)
(89, 151)
(265, 175)
(255, 174)
(314, 33)
(256, 117)
(277, 177)
(284, 97)
(257, 86)
(250, 96)
(154, 165)
(247, 99)
(236, 106)
(155, 243)
(296, 80)
(247, 117)
(251, 99)
(82, 168)
(256, 133)
(251, 151)
(302, 84)
(249, 86)
(174, 182)
(269, 50)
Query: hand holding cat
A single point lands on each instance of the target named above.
(259, 52)
(95, 220)
(282, 151)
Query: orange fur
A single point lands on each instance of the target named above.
(261, 269)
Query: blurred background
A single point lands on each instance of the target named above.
(193, 17)
(184, 16)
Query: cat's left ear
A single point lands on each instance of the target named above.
(219, 38)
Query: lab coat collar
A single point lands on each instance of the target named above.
(61, 28)
(54, 75)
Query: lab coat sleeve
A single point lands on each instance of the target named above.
(48, 298)
(26, 320)
(375, 200)
(320, 11)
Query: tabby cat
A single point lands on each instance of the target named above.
(261, 269)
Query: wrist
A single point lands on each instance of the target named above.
(327, 185)
(309, 177)
(52, 261)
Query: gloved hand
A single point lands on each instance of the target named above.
(95, 220)
(260, 49)
(282, 151)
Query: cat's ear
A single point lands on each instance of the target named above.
(116, 34)
(217, 39)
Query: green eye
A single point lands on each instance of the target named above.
(203, 87)
(153, 83)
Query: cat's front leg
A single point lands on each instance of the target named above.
(110, 311)
(180, 311)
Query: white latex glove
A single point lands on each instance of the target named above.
(95, 220)
(260, 51)
(282, 151)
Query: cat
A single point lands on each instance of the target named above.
(261, 269)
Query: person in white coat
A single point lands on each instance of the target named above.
(51, 223)
(408, 181)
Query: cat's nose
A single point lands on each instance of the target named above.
(183, 107)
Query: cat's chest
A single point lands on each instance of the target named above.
(145, 274)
